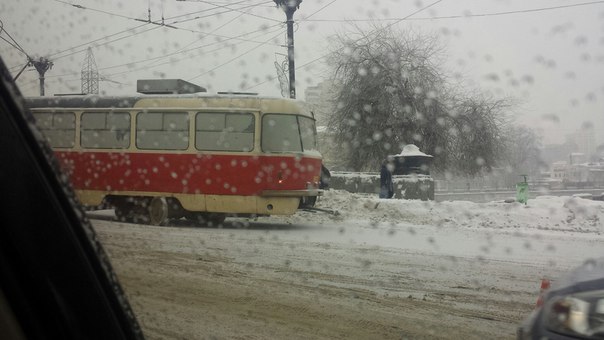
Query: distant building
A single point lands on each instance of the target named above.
(573, 174)
(559, 170)
(577, 158)
(553, 153)
(580, 147)
(320, 100)
(584, 140)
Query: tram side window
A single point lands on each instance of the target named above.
(225, 131)
(58, 128)
(162, 130)
(105, 130)
(280, 133)
(308, 133)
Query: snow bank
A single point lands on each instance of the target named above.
(542, 213)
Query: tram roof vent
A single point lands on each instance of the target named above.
(166, 86)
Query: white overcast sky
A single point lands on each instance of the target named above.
(551, 60)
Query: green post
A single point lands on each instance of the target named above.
(522, 191)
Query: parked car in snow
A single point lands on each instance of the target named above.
(572, 309)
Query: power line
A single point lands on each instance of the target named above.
(217, 6)
(195, 48)
(199, 75)
(13, 42)
(235, 58)
(95, 40)
(233, 3)
(122, 16)
(108, 42)
(93, 9)
(213, 14)
(159, 25)
(319, 10)
(184, 49)
(12, 45)
(305, 19)
(172, 61)
(152, 22)
(371, 33)
(251, 14)
(532, 10)
(169, 55)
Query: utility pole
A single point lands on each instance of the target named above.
(289, 7)
(42, 65)
(90, 74)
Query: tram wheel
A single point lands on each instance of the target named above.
(307, 202)
(216, 219)
(158, 211)
(123, 214)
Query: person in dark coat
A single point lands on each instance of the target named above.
(325, 177)
(386, 185)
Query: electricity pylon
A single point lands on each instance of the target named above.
(90, 74)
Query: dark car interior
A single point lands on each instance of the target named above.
(56, 281)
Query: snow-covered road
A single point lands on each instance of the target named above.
(382, 269)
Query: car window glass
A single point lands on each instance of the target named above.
(396, 169)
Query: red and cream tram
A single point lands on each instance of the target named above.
(157, 156)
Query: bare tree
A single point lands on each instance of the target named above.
(478, 133)
(523, 151)
(391, 91)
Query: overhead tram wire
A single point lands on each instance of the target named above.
(13, 45)
(216, 7)
(107, 42)
(152, 22)
(13, 42)
(193, 31)
(184, 48)
(94, 9)
(317, 11)
(152, 28)
(152, 66)
(171, 54)
(250, 14)
(364, 37)
(235, 58)
(183, 51)
(213, 14)
(437, 18)
(164, 56)
(191, 49)
(169, 62)
(95, 40)
(408, 17)
(478, 15)
(146, 23)
(232, 3)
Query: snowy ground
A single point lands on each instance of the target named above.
(542, 213)
(380, 269)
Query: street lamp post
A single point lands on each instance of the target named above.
(289, 7)
(41, 65)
